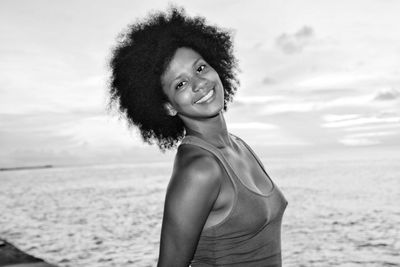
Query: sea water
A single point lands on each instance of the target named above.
(340, 212)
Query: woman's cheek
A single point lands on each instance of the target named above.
(185, 98)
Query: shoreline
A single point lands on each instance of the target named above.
(11, 256)
(27, 168)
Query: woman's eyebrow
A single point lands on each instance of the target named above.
(197, 60)
(193, 64)
(176, 78)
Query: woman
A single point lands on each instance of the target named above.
(172, 77)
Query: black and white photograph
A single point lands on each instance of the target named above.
(221, 133)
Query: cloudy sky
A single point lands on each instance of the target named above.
(314, 75)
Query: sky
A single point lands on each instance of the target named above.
(315, 75)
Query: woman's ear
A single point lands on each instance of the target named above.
(171, 111)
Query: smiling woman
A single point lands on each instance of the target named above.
(172, 77)
(139, 61)
(192, 87)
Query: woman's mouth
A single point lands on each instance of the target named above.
(206, 97)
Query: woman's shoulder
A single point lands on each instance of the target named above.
(196, 174)
(193, 161)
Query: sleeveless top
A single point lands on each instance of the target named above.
(251, 233)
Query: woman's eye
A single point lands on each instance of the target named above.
(201, 68)
(180, 85)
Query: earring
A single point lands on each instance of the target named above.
(172, 112)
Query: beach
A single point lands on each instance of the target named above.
(341, 212)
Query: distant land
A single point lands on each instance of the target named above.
(26, 168)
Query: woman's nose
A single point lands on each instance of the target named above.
(200, 84)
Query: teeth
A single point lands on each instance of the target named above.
(206, 97)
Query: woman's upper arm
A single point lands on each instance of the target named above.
(190, 197)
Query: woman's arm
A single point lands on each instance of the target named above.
(192, 191)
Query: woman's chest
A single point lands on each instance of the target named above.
(248, 171)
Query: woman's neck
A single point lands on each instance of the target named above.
(213, 130)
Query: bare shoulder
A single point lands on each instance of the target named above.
(191, 194)
(195, 168)
(190, 158)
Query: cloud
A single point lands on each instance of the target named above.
(297, 104)
(373, 134)
(331, 92)
(357, 121)
(351, 101)
(289, 106)
(268, 80)
(335, 80)
(387, 94)
(361, 130)
(253, 125)
(55, 138)
(101, 131)
(348, 141)
(363, 139)
(259, 99)
(372, 127)
(295, 43)
(340, 117)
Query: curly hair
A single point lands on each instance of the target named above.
(141, 57)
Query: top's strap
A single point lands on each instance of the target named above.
(250, 149)
(254, 155)
(193, 140)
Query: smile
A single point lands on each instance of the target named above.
(206, 97)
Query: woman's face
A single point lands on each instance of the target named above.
(193, 87)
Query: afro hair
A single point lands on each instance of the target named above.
(141, 57)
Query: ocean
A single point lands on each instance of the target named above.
(341, 212)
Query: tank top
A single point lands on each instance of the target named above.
(250, 235)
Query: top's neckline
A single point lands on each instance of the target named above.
(267, 194)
